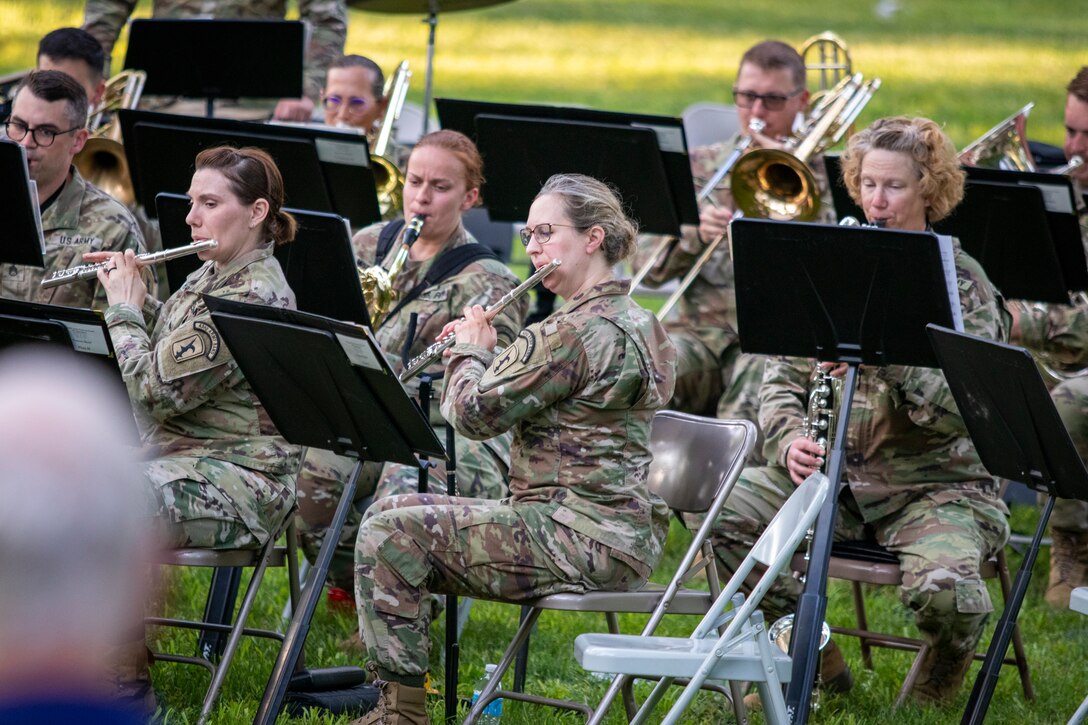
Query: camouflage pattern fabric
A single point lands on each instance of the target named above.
(1071, 399)
(704, 326)
(327, 23)
(913, 477)
(222, 475)
(82, 219)
(580, 390)
(482, 466)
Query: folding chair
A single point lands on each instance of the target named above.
(259, 560)
(696, 463)
(706, 123)
(866, 562)
(1078, 602)
(742, 651)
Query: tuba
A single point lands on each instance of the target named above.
(102, 160)
(389, 179)
(1005, 146)
(378, 282)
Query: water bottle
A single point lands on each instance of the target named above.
(493, 712)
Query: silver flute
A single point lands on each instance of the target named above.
(424, 359)
(90, 271)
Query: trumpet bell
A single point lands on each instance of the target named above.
(782, 630)
(102, 162)
(774, 184)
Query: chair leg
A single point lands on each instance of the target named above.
(522, 664)
(1017, 640)
(863, 624)
(513, 650)
(912, 675)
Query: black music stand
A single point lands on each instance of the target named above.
(222, 58)
(579, 142)
(25, 243)
(319, 264)
(1019, 436)
(323, 170)
(325, 384)
(1004, 226)
(836, 294)
(840, 197)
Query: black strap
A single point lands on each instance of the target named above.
(386, 237)
(448, 264)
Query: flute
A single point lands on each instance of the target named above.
(421, 361)
(90, 271)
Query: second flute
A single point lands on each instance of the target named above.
(90, 271)
(420, 362)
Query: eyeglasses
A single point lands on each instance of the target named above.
(541, 232)
(771, 101)
(17, 131)
(356, 106)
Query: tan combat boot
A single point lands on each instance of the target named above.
(1068, 566)
(941, 675)
(398, 704)
(835, 675)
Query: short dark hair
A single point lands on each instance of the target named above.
(52, 85)
(774, 54)
(359, 61)
(74, 44)
(1078, 87)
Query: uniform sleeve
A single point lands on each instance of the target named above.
(125, 235)
(104, 19)
(1059, 331)
(486, 395)
(782, 405)
(328, 22)
(178, 373)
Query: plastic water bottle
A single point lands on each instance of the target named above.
(493, 712)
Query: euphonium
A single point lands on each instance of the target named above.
(1005, 146)
(388, 179)
(102, 159)
(377, 282)
(1075, 163)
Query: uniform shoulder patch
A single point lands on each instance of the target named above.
(528, 351)
(189, 350)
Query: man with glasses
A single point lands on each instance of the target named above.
(47, 119)
(712, 375)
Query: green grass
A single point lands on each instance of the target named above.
(967, 64)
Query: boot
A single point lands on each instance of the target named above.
(129, 670)
(941, 675)
(835, 675)
(398, 704)
(1068, 566)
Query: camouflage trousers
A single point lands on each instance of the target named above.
(481, 473)
(412, 546)
(213, 504)
(700, 369)
(1071, 399)
(740, 401)
(941, 547)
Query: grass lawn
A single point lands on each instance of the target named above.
(967, 64)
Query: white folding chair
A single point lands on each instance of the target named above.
(707, 123)
(742, 651)
(1078, 602)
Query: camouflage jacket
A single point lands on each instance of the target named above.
(482, 282)
(327, 25)
(905, 438)
(82, 219)
(579, 390)
(710, 305)
(1059, 331)
(187, 391)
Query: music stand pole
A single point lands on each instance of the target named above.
(432, 23)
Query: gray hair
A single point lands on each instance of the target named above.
(589, 203)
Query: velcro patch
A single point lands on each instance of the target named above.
(435, 294)
(190, 350)
(527, 352)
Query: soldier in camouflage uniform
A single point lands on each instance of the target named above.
(712, 374)
(579, 390)
(443, 181)
(327, 22)
(77, 217)
(913, 479)
(1059, 333)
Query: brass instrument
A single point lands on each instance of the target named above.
(90, 271)
(377, 282)
(827, 55)
(389, 179)
(1005, 146)
(777, 183)
(102, 159)
(422, 361)
(1065, 170)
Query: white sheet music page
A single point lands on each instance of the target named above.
(951, 282)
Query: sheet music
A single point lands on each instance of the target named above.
(948, 262)
(1055, 196)
(359, 352)
(87, 338)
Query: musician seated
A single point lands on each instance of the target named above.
(219, 474)
(579, 390)
(48, 118)
(354, 93)
(914, 481)
(446, 269)
(712, 374)
(76, 52)
(1059, 334)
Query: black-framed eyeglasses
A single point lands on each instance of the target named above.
(541, 232)
(17, 131)
(355, 105)
(771, 101)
